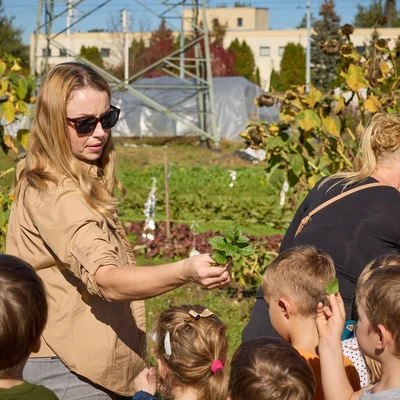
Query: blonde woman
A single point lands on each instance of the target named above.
(64, 223)
(357, 228)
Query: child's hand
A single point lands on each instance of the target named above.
(330, 319)
(146, 381)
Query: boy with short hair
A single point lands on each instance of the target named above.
(294, 283)
(269, 368)
(378, 335)
(23, 315)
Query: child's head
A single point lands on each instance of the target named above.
(300, 275)
(270, 369)
(191, 347)
(378, 304)
(23, 314)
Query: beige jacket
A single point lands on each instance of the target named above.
(66, 241)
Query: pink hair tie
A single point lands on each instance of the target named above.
(216, 365)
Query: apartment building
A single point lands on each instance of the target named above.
(249, 24)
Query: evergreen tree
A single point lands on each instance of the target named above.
(245, 64)
(293, 67)
(303, 22)
(324, 66)
(274, 81)
(367, 16)
(92, 54)
(11, 38)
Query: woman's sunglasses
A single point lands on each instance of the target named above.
(86, 125)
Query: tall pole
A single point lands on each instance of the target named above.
(68, 31)
(126, 44)
(182, 43)
(308, 54)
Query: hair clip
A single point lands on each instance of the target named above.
(206, 313)
(167, 344)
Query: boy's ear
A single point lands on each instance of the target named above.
(285, 306)
(384, 337)
(36, 346)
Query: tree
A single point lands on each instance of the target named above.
(325, 45)
(11, 38)
(303, 22)
(92, 54)
(292, 69)
(274, 80)
(245, 64)
(366, 17)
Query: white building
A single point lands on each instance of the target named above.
(249, 24)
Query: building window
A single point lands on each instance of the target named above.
(63, 52)
(264, 51)
(105, 52)
(45, 52)
(281, 51)
(215, 22)
(360, 49)
(240, 22)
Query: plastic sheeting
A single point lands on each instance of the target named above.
(233, 103)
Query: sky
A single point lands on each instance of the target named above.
(283, 14)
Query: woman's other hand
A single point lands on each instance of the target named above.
(203, 270)
(146, 381)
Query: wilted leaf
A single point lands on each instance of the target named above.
(339, 105)
(384, 67)
(287, 116)
(372, 104)
(308, 120)
(312, 180)
(3, 67)
(332, 287)
(16, 67)
(332, 126)
(8, 110)
(355, 78)
(22, 137)
(314, 97)
(7, 140)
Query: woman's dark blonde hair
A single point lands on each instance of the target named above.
(380, 141)
(195, 345)
(49, 156)
(268, 368)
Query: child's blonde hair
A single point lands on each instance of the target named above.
(191, 343)
(380, 295)
(270, 369)
(374, 367)
(302, 274)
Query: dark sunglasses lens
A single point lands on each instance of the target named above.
(86, 125)
(110, 119)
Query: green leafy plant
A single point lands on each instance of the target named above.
(332, 287)
(233, 244)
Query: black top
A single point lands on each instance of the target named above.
(353, 231)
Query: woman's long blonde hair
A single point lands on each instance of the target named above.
(379, 142)
(49, 155)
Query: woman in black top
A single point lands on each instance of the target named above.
(355, 229)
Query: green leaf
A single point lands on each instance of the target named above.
(22, 89)
(22, 107)
(332, 287)
(231, 249)
(218, 243)
(219, 258)
(296, 162)
(230, 236)
(237, 232)
(246, 251)
(242, 239)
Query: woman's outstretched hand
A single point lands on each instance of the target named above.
(330, 319)
(203, 271)
(146, 381)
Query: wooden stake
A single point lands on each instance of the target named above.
(166, 179)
